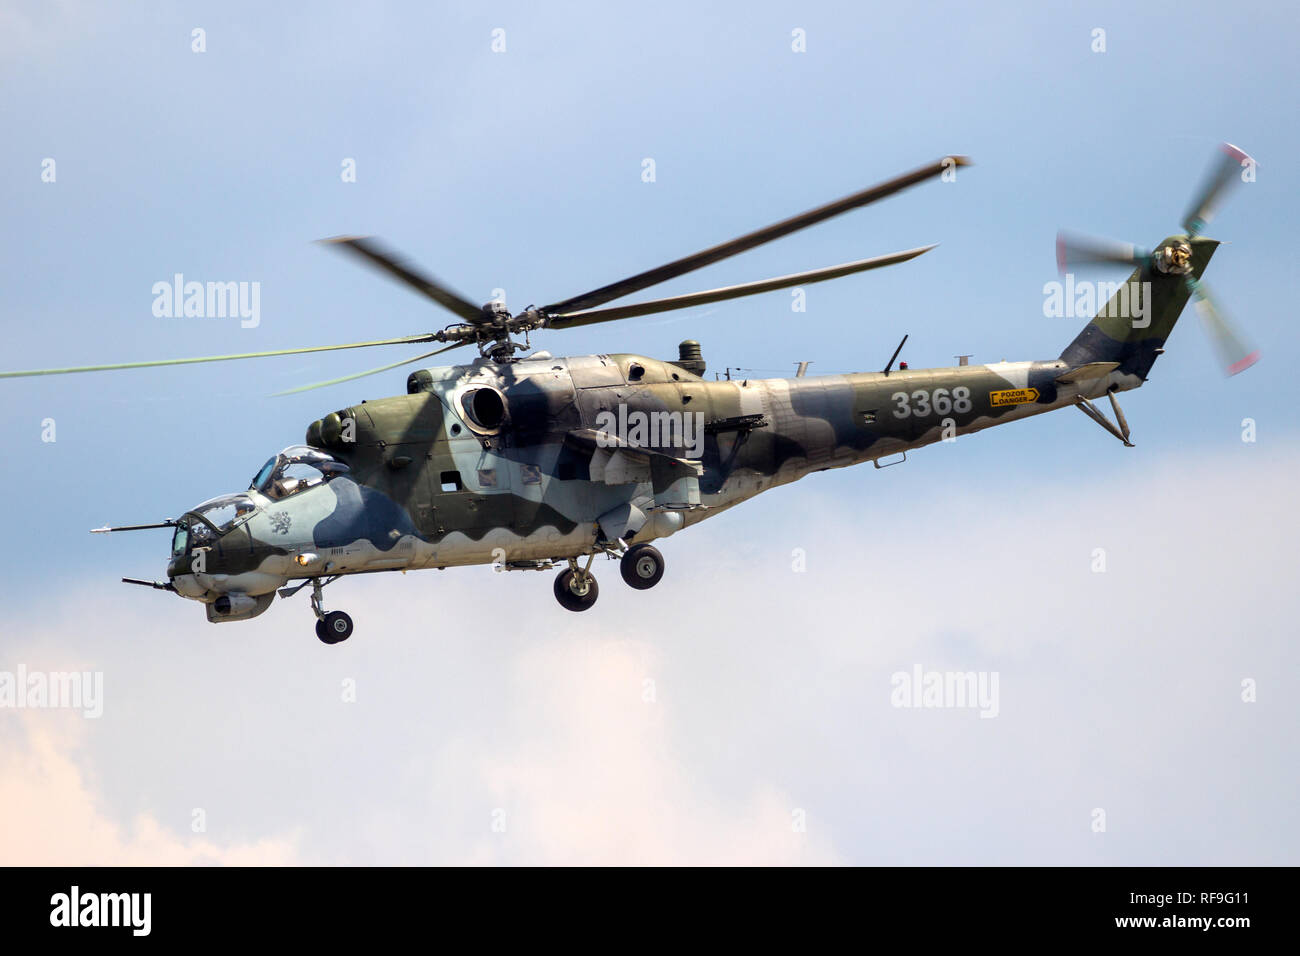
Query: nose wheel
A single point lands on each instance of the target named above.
(332, 626)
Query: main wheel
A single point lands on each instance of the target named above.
(334, 627)
(576, 592)
(642, 566)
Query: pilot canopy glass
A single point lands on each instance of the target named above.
(214, 518)
(296, 469)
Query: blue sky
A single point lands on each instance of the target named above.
(522, 170)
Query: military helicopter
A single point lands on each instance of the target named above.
(529, 462)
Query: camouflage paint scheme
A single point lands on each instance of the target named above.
(542, 487)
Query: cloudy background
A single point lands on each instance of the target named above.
(701, 721)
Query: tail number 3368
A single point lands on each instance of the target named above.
(939, 402)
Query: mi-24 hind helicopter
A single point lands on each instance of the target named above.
(532, 461)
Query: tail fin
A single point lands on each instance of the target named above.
(1132, 327)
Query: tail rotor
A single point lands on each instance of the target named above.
(1173, 257)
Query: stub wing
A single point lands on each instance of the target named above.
(676, 481)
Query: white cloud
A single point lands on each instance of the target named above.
(53, 816)
(591, 776)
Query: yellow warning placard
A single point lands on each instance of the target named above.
(1013, 396)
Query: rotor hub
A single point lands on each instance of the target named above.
(1174, 258)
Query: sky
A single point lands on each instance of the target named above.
(1136, 605)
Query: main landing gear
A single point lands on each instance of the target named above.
(641, 565)
(576, 588)
(333, 626)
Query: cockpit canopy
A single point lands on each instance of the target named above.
(215, 518)
(296, 469)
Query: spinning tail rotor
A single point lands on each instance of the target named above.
(1174, 257)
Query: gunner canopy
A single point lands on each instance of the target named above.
(208, 521)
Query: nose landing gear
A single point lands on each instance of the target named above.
(334, 627)
(331, 627)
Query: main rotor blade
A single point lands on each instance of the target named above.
(407, 340)
(373, 371)
(1234, 354)
(616, 290)
(1221, 176)
(568, 319)
(426, 285)
(1073, 249)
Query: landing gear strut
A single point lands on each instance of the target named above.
(576, 588)
(331, 627)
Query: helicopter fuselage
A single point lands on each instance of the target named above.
(584, 454)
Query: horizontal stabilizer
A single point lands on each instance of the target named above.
(1085, 373)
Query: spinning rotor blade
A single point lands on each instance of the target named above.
(1207, 202)
(406, 340)
(1073, 249)
(570, 319)
(672, 270)
(1234, 354)
(372, 252)
(373, 371)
